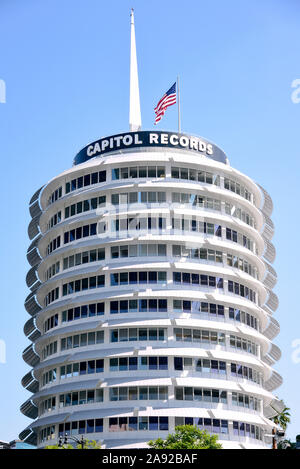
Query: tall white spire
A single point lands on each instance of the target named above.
(135, 121)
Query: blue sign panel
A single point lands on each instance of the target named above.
(150, 139)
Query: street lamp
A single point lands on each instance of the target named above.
(81, 442)
(277, 436)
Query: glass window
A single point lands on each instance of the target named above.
(143, 171)
(178, 363)
(163, 363)
(90, 426)
(123, 335)
(133, 394)
(151, 171)
(99, 366)
(124, 173)
(132, 363)
(163, 423)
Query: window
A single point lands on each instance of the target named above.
(138, 423)
(194, 279)
(138, 172)
(87, 180)
(82, 368)
(125, 278)
(195, 200)
(82, 340)
(138, 250)
(129, 306)
(138, 393)
(84, 231)
(199, 394)
(57, 194)
(237, 188)
(84, 284)
(140, 334)
(195, 175)
(133, 363)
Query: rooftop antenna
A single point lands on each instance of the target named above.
(135, 121)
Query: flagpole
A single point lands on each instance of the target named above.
(135, 121)
(178, 94)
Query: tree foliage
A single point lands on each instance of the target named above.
(283, 418)
(187, 437)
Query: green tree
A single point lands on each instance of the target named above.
(286, 444)
(283, 418)
(187, 437)
(88, 444)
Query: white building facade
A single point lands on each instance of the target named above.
(151, 299)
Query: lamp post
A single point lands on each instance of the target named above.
(277, 436)
(81, 442)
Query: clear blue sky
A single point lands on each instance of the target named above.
(66, 69)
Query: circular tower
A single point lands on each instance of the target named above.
(151, 297)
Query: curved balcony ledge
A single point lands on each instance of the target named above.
(273, 382)
(273, 301)
(29, 326)
(270, 252)
(275, 352)
(30, 356)
(57, 331)
(31, 304)
(66, 387)
(33, 227)
(273, 355)
(24, 434)
(34, 243)
(36, 195)
(33, 387)
(192, 240)
(270, 278)
(91, 216)
(34, 257)
(31, 331)
(162, 289)
(268, 360)
(30, 382)
(31, 439)
(144, 349)
(272, 329)
(34, 336)
(164, 405)
(29, 409)
(74, 384)
(35, 209)
(273, 408)
(134, 293)
(27, 379)
(267, 206)
(149, 411)
(268, 311)
(32, 277)
(113, 441)
(201, 320)
(36, 286)
(268, 228)
(166, 184)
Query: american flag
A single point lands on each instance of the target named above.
(167, 100)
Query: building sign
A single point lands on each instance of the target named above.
(149, 139)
